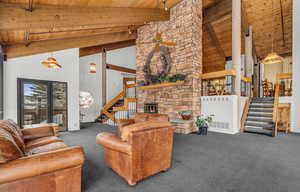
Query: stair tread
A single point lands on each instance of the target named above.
(261, 106)
(260, 115)
(260, 125)
(260, 120)
(258, 131)
(262, 110)
(262, 102)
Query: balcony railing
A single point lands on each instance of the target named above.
(284, 80)
(223, 83)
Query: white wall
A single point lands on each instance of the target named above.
(271, 71)
(296, 67)
(125, 57)
(30, 67)
(225, 111)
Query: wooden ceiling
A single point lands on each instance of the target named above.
(35, 26)
(258, 13)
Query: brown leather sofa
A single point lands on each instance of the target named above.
(35, 160)
(143, 147)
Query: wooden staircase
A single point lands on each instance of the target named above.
(118, 103)
(260, 115)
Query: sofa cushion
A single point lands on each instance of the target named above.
(46, 148)
(9, 150)
(41, 141)
(14, 130)
(17, 127)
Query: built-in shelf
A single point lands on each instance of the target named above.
(177, 83)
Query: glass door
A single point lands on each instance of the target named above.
(42, 102)
(59, 108)
(35, 103)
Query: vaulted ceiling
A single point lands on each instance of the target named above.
(34, 26)
(258, 13)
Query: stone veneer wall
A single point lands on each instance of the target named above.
(184, 28)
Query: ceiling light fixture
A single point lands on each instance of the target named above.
(272, 57)
(51, 63)
(165, 5)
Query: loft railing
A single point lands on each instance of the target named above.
(284, 80)
(223, 83)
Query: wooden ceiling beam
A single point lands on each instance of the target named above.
(215, 39)
(98, 3)
(19, 50)
(282, 23)
(121, 69)
(219, 10)
(85, 51)
(49, 18)
(40, 36)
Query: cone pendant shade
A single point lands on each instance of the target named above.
(51, 63)
(272, 58)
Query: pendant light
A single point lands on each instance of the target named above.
(272, 57)
(51, 63)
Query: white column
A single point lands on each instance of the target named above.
(248, 53)
(236, 43)
(295, 123)
(236, 52)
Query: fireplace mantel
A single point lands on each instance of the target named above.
(177, 83)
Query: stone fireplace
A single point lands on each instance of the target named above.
(184, 28)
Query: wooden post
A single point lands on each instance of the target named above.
(1, 83)
(296, 69)
(104, 77)
(236, 43)
(236, 54)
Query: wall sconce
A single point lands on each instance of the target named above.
(92, 68)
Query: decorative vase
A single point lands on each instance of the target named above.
(202, 130)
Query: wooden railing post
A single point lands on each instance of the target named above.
(275, 110)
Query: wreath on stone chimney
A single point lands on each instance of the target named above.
(166, 60)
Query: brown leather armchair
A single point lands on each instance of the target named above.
(143, 147)
(34, 160)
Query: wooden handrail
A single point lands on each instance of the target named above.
(246, 79)
(114, 100)
(218, 74)
(275, 110)
(245, 114)
(281, 76)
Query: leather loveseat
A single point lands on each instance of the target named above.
(143, 147)
(36, 160)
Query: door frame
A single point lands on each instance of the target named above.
(20, 98)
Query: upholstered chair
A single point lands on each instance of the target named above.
(142, 147)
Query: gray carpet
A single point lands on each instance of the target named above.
(212, 163)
